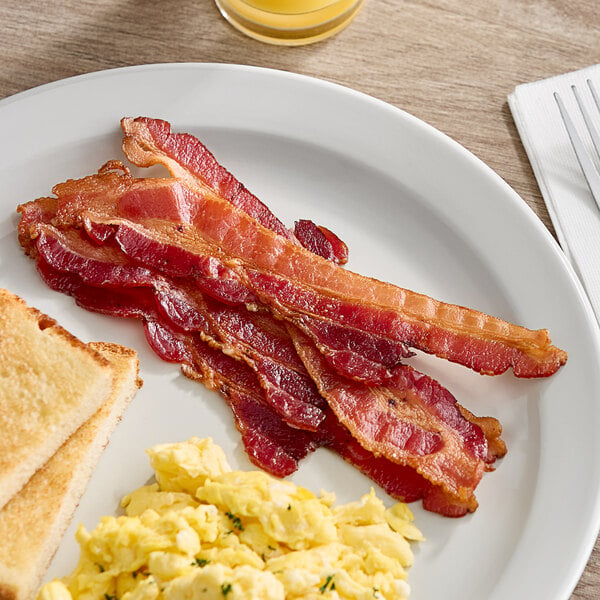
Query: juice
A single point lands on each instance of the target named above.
(291, 7)
(289, 22)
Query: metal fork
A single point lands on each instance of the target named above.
(590, 171)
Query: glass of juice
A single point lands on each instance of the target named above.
(289, 22)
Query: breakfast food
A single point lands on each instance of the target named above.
(305, 352)
(149, 141)
(203, 530)
(163, 225)
(300, 286)
(33, 521)
(184, 325)
(50, 383)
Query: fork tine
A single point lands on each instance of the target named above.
(594, 93)
(595, 135)
(586, 115)
(587, 166)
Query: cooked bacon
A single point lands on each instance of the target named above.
(292, 281)
(363, 356)
(221, 284)
(412, 421)
(261, 341)
(473, 339)
(150, 141)
(321, 241)
(254, 337)
(399, 481)
(269, 442)
(42, 210)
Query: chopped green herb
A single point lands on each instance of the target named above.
(289, 507)
(200, 562)
(225, 588)
(100, 567)
(237, 523)
(109, 597)
(328, 585)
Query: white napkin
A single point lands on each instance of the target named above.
(571, 206)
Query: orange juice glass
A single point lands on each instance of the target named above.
(289, 22)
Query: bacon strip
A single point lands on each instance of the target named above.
(412, 421)
(293, 282)
(399, 481)
(150, 141)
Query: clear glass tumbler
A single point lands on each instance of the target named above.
(289, 22)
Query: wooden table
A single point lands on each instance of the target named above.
(449, 62)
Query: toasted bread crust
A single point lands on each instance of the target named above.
(8, 592)
(33, 522)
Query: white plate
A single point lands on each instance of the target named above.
(416, 209)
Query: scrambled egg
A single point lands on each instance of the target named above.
(204, 531)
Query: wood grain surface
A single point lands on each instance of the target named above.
(449, 62)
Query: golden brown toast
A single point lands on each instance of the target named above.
(50, 384)
(35, 519)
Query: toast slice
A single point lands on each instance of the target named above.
(33, 522)
(50, 384)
